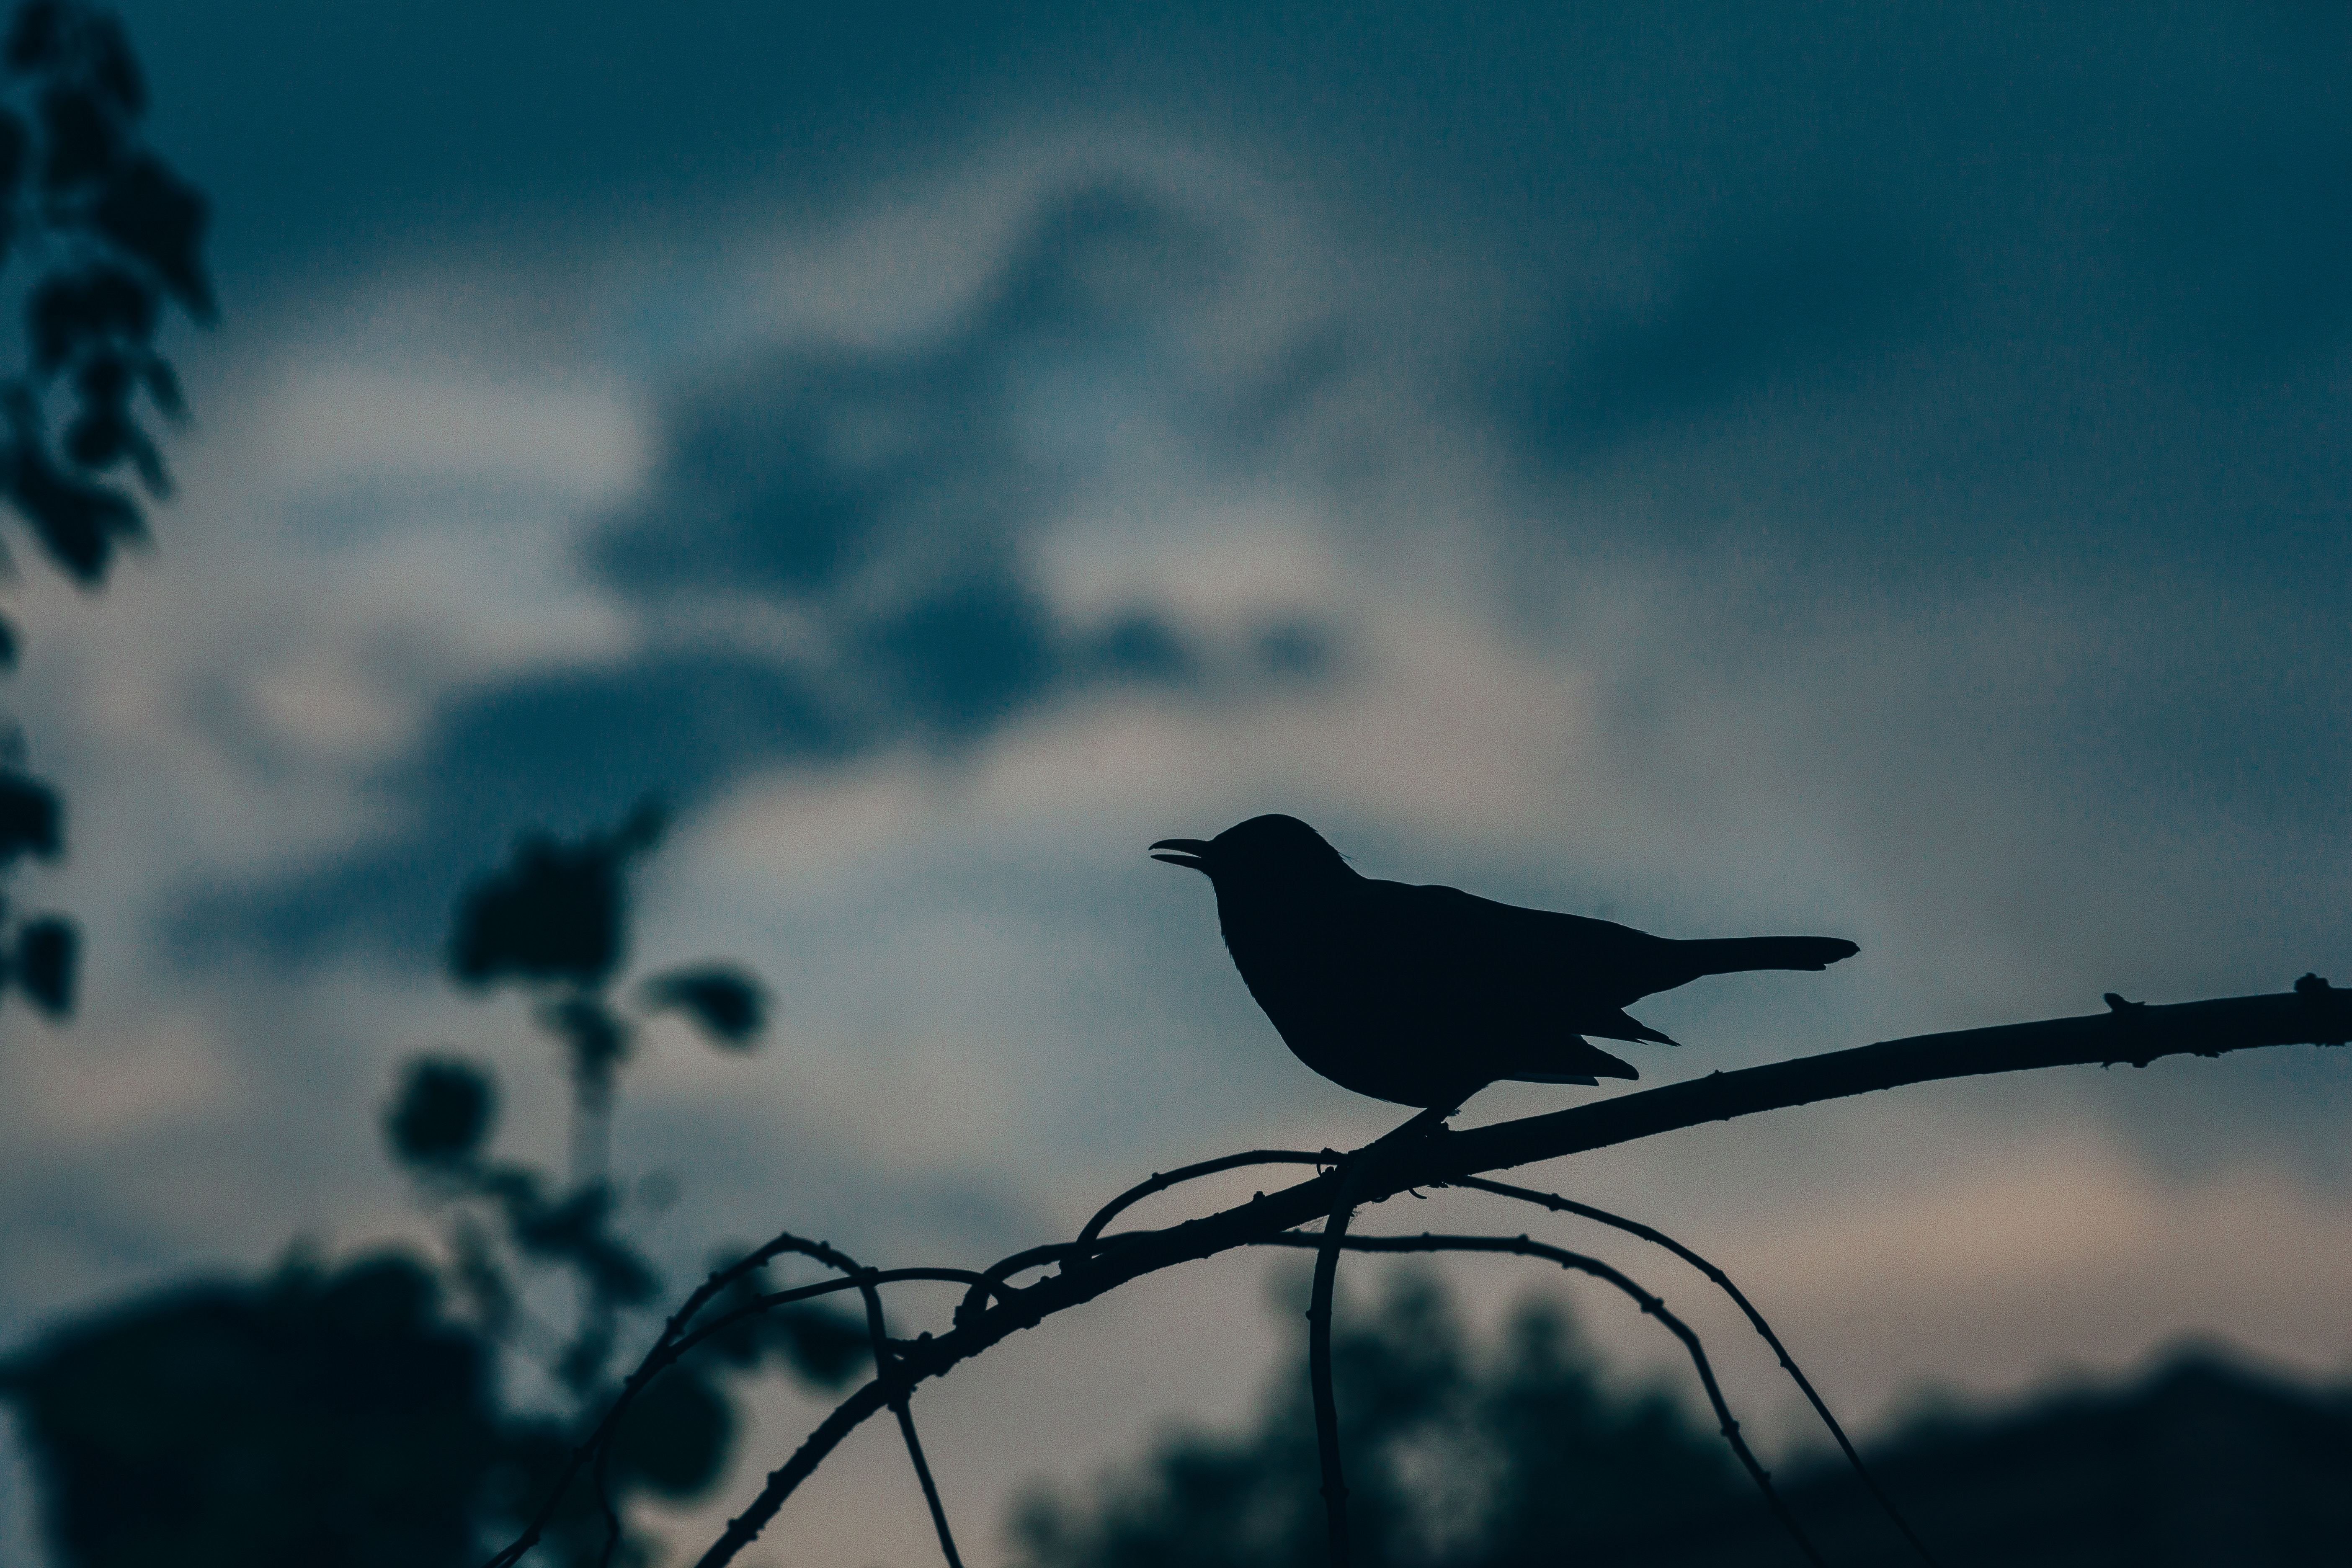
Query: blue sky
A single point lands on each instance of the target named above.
(1729, 469)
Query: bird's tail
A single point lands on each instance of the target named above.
(1737, 954)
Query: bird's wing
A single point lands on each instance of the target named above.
(1564, 953)
(1524, 981)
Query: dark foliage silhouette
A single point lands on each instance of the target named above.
(327, 1416)
(1425, 995)
(1524, 1455)
(554, 921)
(1462, 1457)
(98, 237)
(2203, 1461)
(312, 1417)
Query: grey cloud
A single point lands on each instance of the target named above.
(1751, 313)
(881, 503)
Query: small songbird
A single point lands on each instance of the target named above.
(1425, 995)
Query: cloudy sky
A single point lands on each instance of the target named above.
(1874, 470)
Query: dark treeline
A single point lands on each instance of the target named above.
(1529, 1451)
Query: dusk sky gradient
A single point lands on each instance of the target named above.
(1875, 470)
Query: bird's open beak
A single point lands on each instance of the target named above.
(1192, 852)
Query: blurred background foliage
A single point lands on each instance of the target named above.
(1453, 1456)
(407, 1408)
(99, 238)
(1532, 1450)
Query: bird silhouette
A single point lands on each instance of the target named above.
(1425, 995)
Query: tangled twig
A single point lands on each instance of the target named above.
(1722, 1282)
(1650, 1305)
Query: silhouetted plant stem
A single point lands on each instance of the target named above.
(604, 1506)
(2312, 1014)
(1161, 1182)
(663, 1353)
(1090, 1238)
(667, 1350)
(1319, 1356)
(759, 1305)
(1650, 1305)
(1355, 1173)
(886, 1371)
(1722, 1282)
(991, 1281)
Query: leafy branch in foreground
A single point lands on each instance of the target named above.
(99, 238)
(2312, 1014)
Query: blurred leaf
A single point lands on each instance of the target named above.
(819, 1343)
(80, 139)
(35, 36)
(7, 644)
(676, 1436)
(728, 1004)
(577, 1232)
(596, 1039)
(556, 911)
(15, 141)
(164, 387)
(80, 523)
(479, 1275)
(45, 953)
(29, 819)
(71, 311)
(581, 1367)
(825, 1346)
(113, 67)
(443, 1113)
(160, 218)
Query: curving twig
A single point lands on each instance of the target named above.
(1722, 1282)
(1318, 1357)
(886, 1371)
(1650, 1304)
(1161, 1182)
(594, 1444)
(1355, 1173)
(1091, 1235)
(758, 1306)
(2314, 1014)
(991, 1280)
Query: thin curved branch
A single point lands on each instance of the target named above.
(1355, 1174)
(991, 1280)
(759, 1305)
(1722, 1282)
(1319, 1356)
(886, 1371)
(594, 1444)
(1521, 1247)
(2314, 1014)
(1054, 1252)
(1161, 1182)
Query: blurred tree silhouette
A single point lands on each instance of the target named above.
(97, 236)
(1498, 1459)
(407, 1410)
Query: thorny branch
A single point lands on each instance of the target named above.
(1356, 1172)
(1722, 1282)
(2312, 1014)
(1650, 1305)
(886, 1371)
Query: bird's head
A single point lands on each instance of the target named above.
(1265, 851)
